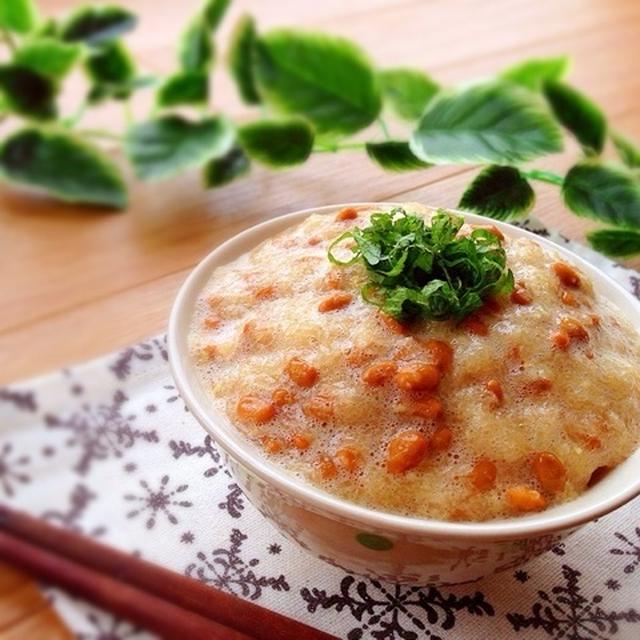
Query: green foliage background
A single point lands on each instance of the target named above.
(314, 93)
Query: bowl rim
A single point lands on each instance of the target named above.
(503, 529)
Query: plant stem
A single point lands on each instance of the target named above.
(100, 134)
(7, 38)
(128, 113)
(385, 128)
(338, 146)
(75, 118)
(544, 176)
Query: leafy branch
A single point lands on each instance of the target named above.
(313, 93)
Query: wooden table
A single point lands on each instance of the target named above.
(78, 283)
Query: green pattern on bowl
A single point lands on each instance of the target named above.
(374, 541)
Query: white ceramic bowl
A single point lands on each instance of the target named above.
(375, 543)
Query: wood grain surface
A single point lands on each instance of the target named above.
(79, 283)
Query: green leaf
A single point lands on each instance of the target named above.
(407, 91)
(241, 53)
(97, 25)
(184, 87)
(494, 122)
(28, 93)
(394, 155)
(196, 49)
(617, 243)
(420, 269)
(101, 92)
(221, 171)
(214, 11)
(628, 151)
(112, 64)
(63, 166)
(165, 146)
(498, 192)
(20, 16)
(603, 192)
(48, 28)
(278, 143)
(533, 73)
(328, 80)
(48, 56)
(578, 114)
(112, 71)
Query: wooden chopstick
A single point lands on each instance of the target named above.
(136, 589)
(157, 615)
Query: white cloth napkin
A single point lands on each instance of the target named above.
(108, 449)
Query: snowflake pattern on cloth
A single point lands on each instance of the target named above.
(124, 461)
(567, 613)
